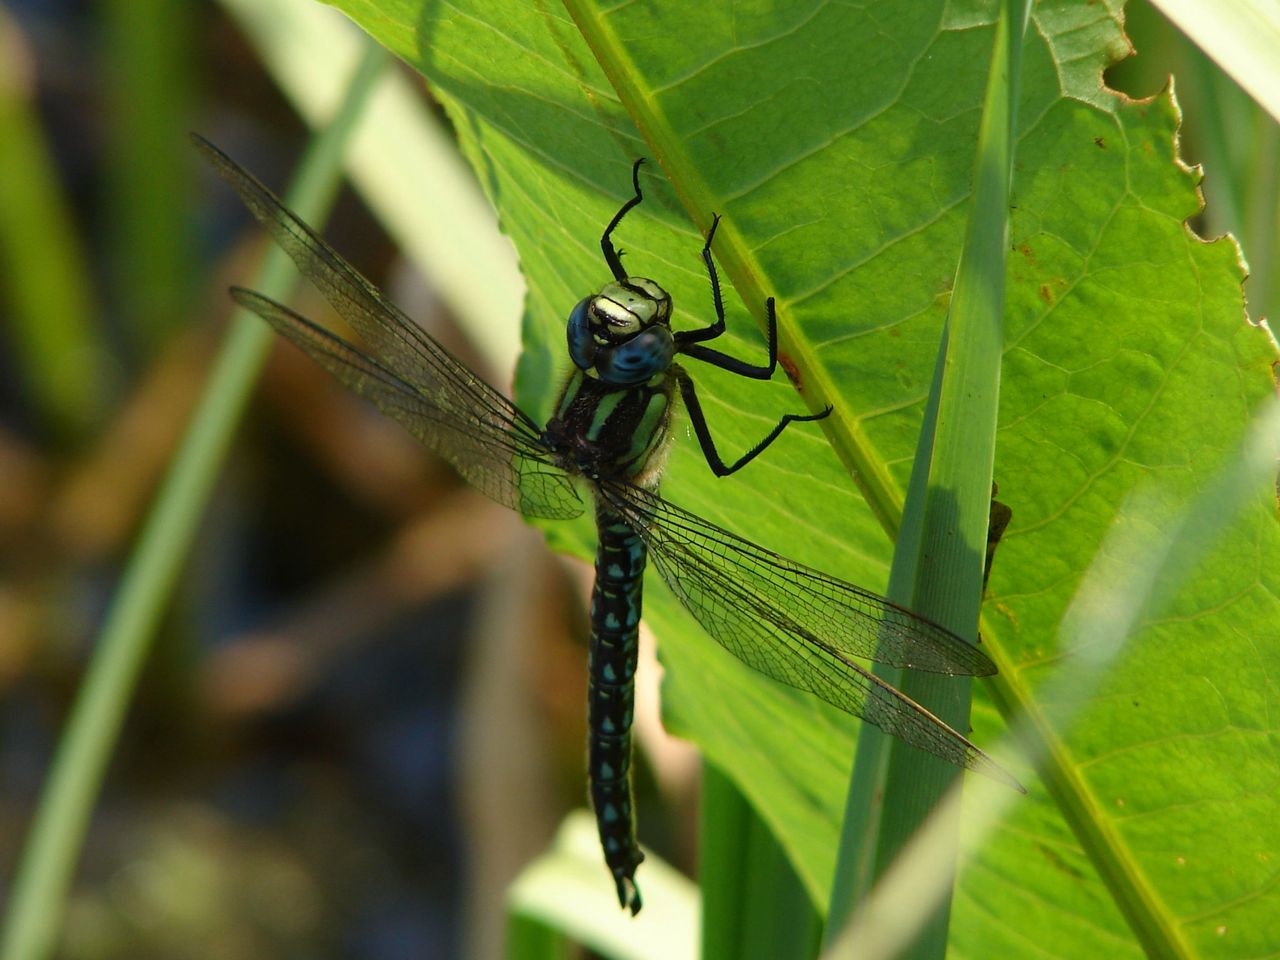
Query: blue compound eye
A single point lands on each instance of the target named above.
(645, 355)
(581, 338)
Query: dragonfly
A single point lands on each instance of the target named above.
(608, 437)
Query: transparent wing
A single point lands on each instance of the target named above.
(406, 373)
(497, 464)
(801, 627)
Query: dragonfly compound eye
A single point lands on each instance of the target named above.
(613, 319)
(632, 305)
(582, 342)
(640, 357)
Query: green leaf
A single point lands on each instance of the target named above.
(838, 143)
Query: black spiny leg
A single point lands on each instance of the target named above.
(689, 343)
(717, 328)
(611, 256)
(703, 433)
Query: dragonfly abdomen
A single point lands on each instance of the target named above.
(611, 665)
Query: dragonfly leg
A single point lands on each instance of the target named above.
(611, 256)
(703, 432)
(687, 343)
(717, 328)
(1001, 514)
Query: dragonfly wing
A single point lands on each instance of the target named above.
(503, 459)
(800, 626)
(410, 376)
(849, 620)
(399, 344)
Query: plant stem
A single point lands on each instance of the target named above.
(48, 863)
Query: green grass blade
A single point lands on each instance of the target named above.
(51, 852)
(939, 558)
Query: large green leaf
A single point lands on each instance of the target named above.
(838, 141)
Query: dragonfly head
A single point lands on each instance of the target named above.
(622, 333)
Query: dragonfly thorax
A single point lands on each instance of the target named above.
(621, 334)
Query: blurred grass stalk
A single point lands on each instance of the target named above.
(938, 560)
(146, 46)
(53, 334)
(407, 168)
(1241, 36)
(37, 900)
